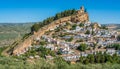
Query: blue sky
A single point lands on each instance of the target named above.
(20, 11)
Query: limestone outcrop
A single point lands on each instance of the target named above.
(80, 16)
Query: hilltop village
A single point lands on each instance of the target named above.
(70, 38)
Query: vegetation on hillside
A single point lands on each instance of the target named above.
(100, 58)
(118, 37)
(59, 63)
(47, 21)
(98, 61)
(73, 27)
(87, 32)
(11, 63)
(82, 47)
(41, 51)
(116, 46)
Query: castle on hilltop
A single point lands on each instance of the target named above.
(81, 16)
(82, 10)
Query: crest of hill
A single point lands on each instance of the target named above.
(76, 16)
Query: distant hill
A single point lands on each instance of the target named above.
(9, 32)
(113, 26)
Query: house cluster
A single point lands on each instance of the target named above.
(100, 37)
(68, 49)
(76, 55)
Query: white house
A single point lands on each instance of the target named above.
(78, 28)
(111, 51)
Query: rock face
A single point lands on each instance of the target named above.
(80, 16)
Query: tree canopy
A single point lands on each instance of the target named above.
(87, 32)
(82, 47)
(118, 37)
(116, 46)
(47, 21)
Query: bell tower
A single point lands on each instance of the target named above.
(82, 9)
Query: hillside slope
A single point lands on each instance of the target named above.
(12, 32)
(19, 47)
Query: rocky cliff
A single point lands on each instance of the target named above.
(80, 16)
